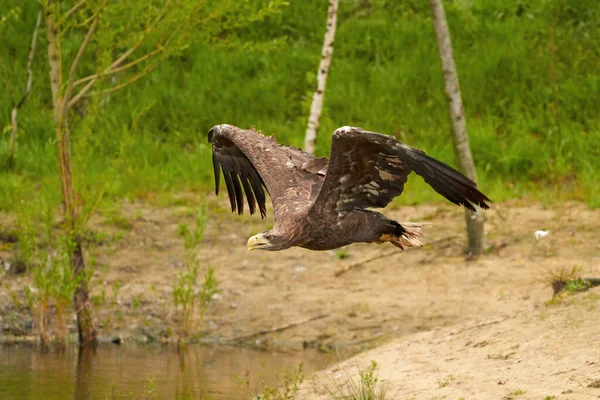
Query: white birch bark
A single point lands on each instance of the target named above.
(475, 231)
(317, 101)
(16, 107)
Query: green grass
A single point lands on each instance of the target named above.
(515, 394)
(567, 280)
(289, 389)
(366, 387)
(528, 72)
(342, 254)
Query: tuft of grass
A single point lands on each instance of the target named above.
(445, 382)
(367, 387)
(150, 389)
(99, 300)
(45, 253)
(342, 254)
(194, 235)
(576, 285)
(113, 216)
(287, 391)
(188, 299)
(116, 289)
(568, 280)
(136, 302)
(191, 301)
(515, 394)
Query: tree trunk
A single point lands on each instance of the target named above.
(317, 101)
(13, 136)
(16, 107)
(54, 63)
(85, 326)
(85, 323)
(475, 231)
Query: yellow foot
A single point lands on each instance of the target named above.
(408, 239)
(386, 237)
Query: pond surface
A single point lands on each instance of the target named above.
(144, 372)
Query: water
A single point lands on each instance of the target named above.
(126, 371)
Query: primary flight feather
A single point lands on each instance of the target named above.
(320, 203)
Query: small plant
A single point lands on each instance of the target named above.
(568, 280)
(136, 302)
(516, 393)
(14, 296)
(99, 300)
(52, 290)
(65, 286)
(576, 285)
(113, 216)
(342, 254)
(187, 298)
(183, 230)
(288, 391)
(46, 256)
(106, 323)
(150, 389)
(194, 235)
(118, 237)
(368, 386)
(445, 382)
(116, 288)
(210, 287)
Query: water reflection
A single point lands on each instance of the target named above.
(85, 362)
(127, 371)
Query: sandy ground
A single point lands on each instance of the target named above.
(544, 353)
(384, 294)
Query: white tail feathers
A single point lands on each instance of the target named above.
(409, 238)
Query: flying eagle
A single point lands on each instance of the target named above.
(322, 204)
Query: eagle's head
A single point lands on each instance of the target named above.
(268, 240)
(218, 129)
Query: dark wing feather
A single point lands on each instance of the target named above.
(251, 161)
(368, 169)
(217, 173)
(230, 188)
(249, 194)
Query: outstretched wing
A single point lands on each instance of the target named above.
(251, 161)
(369, 169)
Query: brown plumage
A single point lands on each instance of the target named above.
(321, 204)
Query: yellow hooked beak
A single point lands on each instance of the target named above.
(257, 242)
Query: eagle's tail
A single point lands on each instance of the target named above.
(405, 235)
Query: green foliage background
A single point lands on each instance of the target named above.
(528, 70)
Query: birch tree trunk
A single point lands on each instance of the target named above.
(475, 231)
(60, 99)
(15, 111)
(317, 101)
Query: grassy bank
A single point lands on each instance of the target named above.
(528, 72)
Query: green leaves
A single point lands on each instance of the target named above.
(11, 14)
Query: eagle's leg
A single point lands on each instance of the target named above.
(406, 235)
